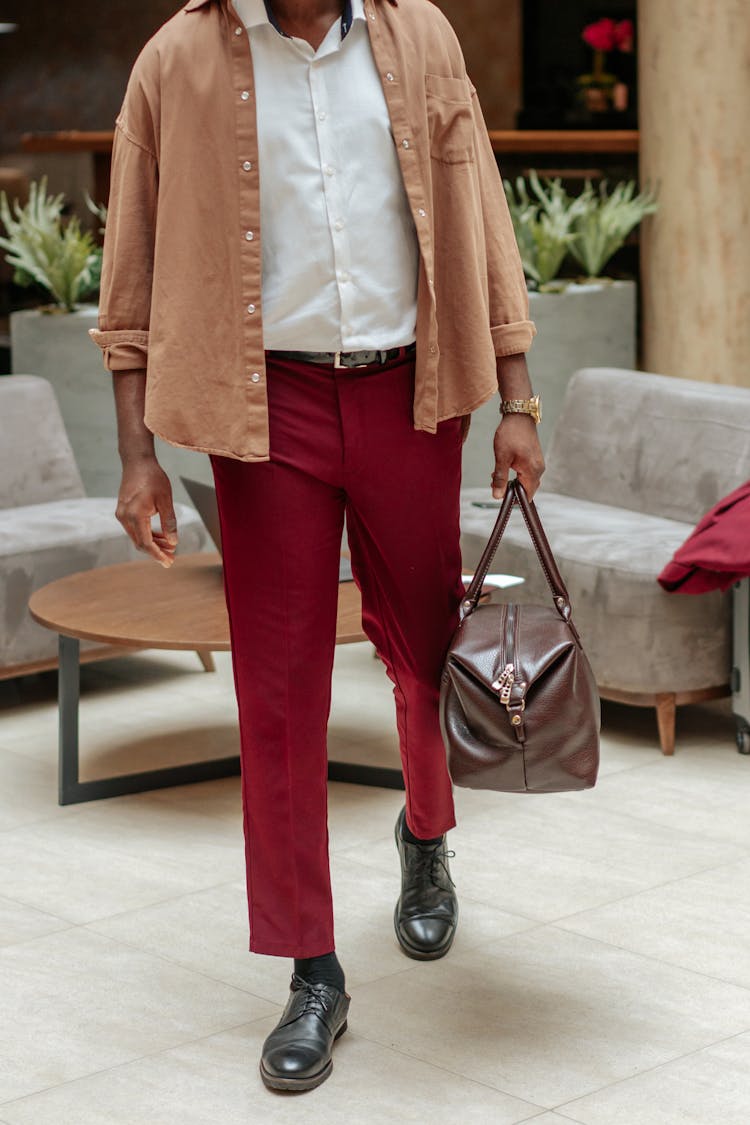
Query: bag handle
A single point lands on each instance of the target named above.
(515, 493)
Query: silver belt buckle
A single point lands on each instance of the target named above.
(347, 366)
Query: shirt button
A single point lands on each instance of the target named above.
(245, 95)
(238, 31)
(433, 349)
(345, 276)
(328, 170)
(338, 225)
(422, 212)
(255, 377)
(405, 144)
(249, 236)
(389, 76)
(251, 309)
(247, 165)
(322, 115)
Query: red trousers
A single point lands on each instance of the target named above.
(342, 445)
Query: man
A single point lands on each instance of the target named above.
(310, 274)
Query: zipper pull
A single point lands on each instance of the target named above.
(504, 683)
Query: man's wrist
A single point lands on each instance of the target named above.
(513, 378)
(134, 454)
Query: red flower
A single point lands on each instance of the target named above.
(624, 36)
(601, 35)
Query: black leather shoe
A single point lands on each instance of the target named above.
(426, 914)
(297, 1053)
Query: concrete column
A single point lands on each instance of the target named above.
(694, 87)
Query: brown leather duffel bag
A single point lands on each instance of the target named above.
(519, 708)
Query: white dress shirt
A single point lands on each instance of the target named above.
(340, 251)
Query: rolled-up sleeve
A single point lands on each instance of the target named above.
(512, 330)
(127, 266)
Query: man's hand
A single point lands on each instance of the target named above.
(145, 491)
(517, 447)
(516, 441)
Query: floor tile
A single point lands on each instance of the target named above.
(701, 923)
(20, 923)
(551, 1118)
(216, 1080)
(29, 791)
(548, 1016)
(208, 931)
(663, 796)
(709, 1087)
(547, 857)
(75, 1002)
(116, 855)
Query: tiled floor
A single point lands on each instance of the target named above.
(601, 974)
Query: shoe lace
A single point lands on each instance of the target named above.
(439, 860)
(313, 997)
(431, 860)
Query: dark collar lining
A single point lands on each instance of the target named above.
(346, 20)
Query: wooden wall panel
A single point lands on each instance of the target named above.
(490, 35)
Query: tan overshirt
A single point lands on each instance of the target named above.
(181, 278)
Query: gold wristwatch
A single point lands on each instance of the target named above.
(532, 406)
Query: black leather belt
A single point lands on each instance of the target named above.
(350, 359)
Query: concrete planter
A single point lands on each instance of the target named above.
(57, 347)
(584, 326)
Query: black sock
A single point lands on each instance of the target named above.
(408, 835)
(321, 970)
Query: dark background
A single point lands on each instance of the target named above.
(554, 55)
(67, 64)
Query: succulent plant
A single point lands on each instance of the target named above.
(591, 227)
(48, 250)
(604, 221)
(543, 226)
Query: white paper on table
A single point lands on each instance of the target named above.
(500, 581)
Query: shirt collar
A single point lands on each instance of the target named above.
(253, 13)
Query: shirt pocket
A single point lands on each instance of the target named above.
(450, 119)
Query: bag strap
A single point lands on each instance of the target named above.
(515, 493)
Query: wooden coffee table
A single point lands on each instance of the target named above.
(139, 605)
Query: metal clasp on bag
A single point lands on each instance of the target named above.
(504, 684)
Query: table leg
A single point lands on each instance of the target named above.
(71, 791)
(382, 777)
(68, 691)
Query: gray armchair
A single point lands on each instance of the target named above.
(634, 461)
(48, 526)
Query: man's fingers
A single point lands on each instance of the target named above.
(167, 517)
(145, 492)
(530, 481)
(138, 527)
(500, 480)
(149, 543)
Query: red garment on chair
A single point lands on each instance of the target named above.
(717, 551)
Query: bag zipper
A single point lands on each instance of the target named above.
(506, 676)
(506, 681)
